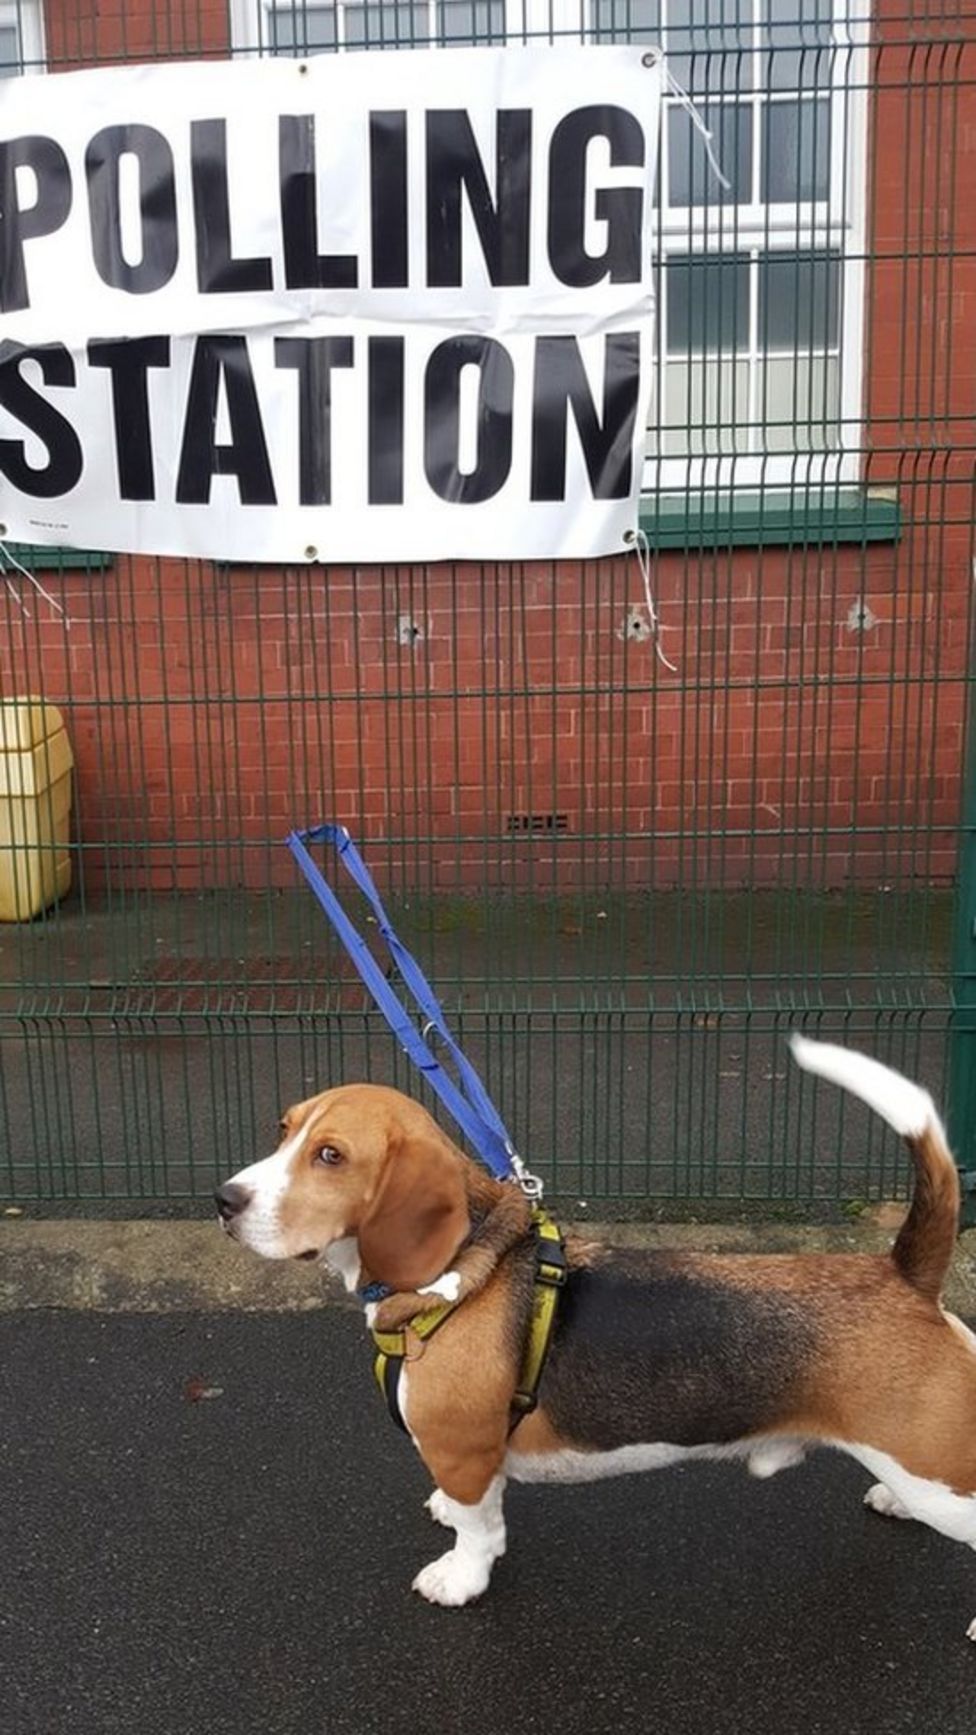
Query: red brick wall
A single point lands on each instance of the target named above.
(103, 32)
(213, 708)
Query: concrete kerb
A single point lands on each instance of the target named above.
(167, 1267)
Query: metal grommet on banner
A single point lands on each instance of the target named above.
(302, 68)
(311, 552)
(653, 57)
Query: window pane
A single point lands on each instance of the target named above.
(707, 303)
(10, 60)
(400, 24)
(799, 301)
(692, 180)
(796, 151)
(798, 36)
(706, 408)
(800, 404)
(474, 21)
(626, 20)
(298, 29)
(709, 44)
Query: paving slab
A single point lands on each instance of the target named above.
(165, 1267)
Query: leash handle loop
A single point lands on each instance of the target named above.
(470, 1105)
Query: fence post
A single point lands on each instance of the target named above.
(962, 1041)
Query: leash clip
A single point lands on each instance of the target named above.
(531, 1185)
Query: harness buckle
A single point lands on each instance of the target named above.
(551, 1267)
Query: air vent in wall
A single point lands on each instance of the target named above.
(535, 822)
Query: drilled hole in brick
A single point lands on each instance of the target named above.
(634, 625)
(861, 616)
(409, 631)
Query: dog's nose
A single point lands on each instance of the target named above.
(231, 1200)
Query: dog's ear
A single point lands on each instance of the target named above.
(418, 1217)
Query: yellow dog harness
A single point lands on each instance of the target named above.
(392, 1348)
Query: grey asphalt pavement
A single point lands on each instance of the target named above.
(180, 1564)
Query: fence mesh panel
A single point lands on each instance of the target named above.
(629, 858)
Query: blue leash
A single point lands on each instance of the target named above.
(468, 1103)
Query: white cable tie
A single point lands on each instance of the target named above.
(681, 96)
(5, 556)
(16, 596)
(642, 550)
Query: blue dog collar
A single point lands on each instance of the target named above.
(374, 1292)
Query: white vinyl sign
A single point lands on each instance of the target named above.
(367, 307)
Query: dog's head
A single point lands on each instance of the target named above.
(360, 1162)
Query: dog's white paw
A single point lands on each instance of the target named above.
(971, 1631)
(454, 1579)
(437, 1506)
(880, 1499)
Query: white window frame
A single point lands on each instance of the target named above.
(28, 17)
(250, 23)
(755, 229)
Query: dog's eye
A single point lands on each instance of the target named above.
(328, 1155)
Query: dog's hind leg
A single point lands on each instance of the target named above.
(931, 1502)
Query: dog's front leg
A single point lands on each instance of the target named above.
(439, 1506)
(463, 1572)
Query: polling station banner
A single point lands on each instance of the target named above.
(365, 307)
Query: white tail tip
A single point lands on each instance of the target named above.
(906, 1107)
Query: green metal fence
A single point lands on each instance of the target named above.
(629, 857)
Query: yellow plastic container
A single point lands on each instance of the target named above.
(36, 762)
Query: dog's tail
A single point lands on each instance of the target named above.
(925, 1241)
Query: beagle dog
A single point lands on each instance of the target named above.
(655, 1358)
